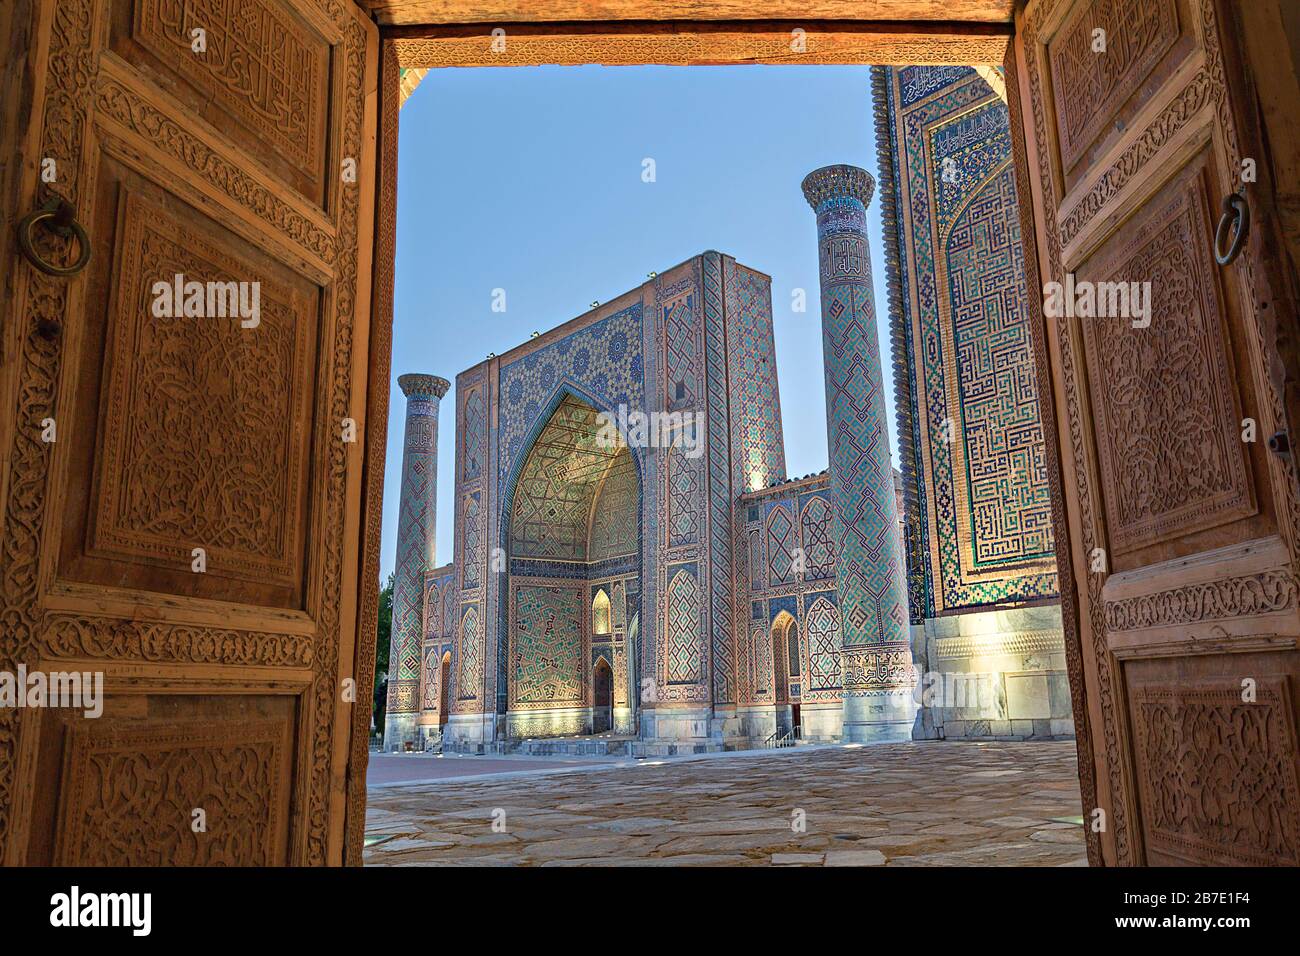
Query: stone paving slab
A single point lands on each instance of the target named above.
(930, 803)
(401, 769)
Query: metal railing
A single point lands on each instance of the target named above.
(778, 739)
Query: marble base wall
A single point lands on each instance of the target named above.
(470, 729)
(923, 724)
(755, 723)
(624, 721)
(991, 675)
(878, 716)
(427, 731)
(726, 723)
(821, 723)
(400, 730)
(687, 723)
(559, 722)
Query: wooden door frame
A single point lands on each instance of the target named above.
(1028, 189)
(437, 33)
(51, 106)
(1263, 280)
(463, 40)
(422, 34)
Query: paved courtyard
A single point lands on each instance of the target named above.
(915, 804)
(417, 768)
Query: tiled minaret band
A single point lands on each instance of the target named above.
(876, 659)
(416, 526)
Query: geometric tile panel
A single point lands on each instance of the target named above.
(615, 532)
(823, 629)
(546, 647)
(684, 629)
(759, 449)
(471, 662)
(603, 359)
(471, 518)
(724, 408)
(761, 655)
(681, 353)
(683, 495)
(971, 438)
(817, 533)
(475, 422)
(780, 546)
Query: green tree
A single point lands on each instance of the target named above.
(384, 633)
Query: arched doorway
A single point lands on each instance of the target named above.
(444, 691)
(572, 531)
(601, 618)
(785, 671)
(792, 674)
(603, 697)
(630, 718)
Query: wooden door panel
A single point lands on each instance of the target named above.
(1182, 536)
(203, 428)
(225, 688)
(263, 79)
(148, 129)
(1216, 775)
(219, 761)
(1095, 97)
(1166, 399)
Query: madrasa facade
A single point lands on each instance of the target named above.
(632, 560)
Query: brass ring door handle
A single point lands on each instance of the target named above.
(60, 218)
(1236, 211)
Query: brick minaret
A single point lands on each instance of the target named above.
(416, 528)
(876, 659)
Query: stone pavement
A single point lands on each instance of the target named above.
(412, 768)
(931, 803)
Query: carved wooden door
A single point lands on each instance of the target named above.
(1179, 523)
(180, 507)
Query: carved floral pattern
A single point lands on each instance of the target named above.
(1154, 138)
(130, 787)
(116, 639)
(115, 100)
(205, 448)
(1090, 87)
(1218, 774)
(1247, 596)
(263, 66)
(1164, 396)
(685, 44)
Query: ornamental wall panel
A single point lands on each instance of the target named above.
(970, 428)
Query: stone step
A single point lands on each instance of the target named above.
(573, 747)
(598, 747)
(464, 747)
(655, 748)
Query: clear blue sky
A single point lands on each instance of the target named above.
(529, 179)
